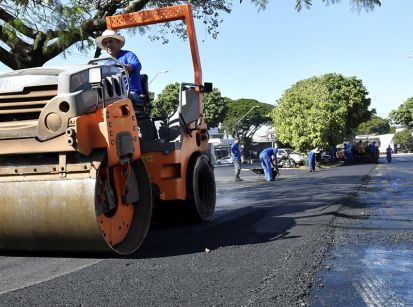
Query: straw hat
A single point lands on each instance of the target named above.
(109, 34)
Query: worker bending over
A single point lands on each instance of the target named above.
(268, 157)
(311, 159)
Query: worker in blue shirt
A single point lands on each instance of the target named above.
(389, 151)
(112, 43)
(268, 157)
(348, 153)
(236, 159)
(311, 159)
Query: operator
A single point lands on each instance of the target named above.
(311, 159)
(236, 159)
(268, 157)
(112, 42)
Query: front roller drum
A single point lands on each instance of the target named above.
(79, 215)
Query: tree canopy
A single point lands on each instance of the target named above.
(321, 111)
(404, 139)
(376, 125)
(167, 101)
(403, 116)
(215, 108)
(245, 116)
(33, 32)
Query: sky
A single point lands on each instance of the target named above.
(259, 55)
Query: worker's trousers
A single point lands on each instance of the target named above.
(237, 167)
(266, 166)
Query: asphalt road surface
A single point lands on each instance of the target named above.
(270, 243)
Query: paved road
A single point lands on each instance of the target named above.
(263, 248)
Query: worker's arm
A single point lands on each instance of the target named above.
(132, 62)
(274, 161)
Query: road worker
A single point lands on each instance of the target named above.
(268, 158)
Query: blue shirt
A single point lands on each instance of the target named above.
(129, 58)
(236, 153)
(268, 152)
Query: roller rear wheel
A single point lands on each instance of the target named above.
(201, 189)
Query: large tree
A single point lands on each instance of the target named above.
(32, 32)
(376, 125)
(403, 116)
(321, 111)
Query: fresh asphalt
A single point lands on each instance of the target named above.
(270, 244)
(371, 263)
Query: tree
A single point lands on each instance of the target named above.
(215, 108)
(245, 116)
(404, 139)
(376, 125)
(168, 100)
(33, 32)
(321, 111)
(404, 114)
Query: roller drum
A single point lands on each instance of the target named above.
(66, 215)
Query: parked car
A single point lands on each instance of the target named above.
(224, 160)
(296, 158)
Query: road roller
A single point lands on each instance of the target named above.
(81, 168)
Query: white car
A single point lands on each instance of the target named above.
(296, 157)
(224, 160)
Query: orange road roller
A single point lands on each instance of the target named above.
(80, 168)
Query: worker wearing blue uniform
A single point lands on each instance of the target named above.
(311, 159)
(268, 157)
(389, 151)
(348, 153)
(112, 43)
(236, 159)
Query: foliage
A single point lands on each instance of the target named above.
(404, 139)
(359, 4)
(167, 101)
(245, 116)
(376, 125)
(32, 32)
(321, 111)
(404, 114)
(215, 108)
